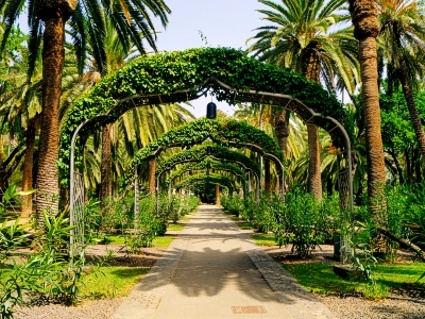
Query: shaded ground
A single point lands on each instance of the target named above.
(402, 304)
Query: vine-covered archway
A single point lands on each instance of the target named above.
(223, 132)
(182, 76)
(173, 77)
(198, 153)
(203, 165)
(206, 158)
(202, 179)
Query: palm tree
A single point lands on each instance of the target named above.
(300, 39)
(402, 36)
(364, 14)
(130, 17)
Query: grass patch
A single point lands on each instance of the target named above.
(264, 239)
(111, 282)
(175, 227)
(320, 279)
(242, 224)
(121, 240)
(162, 241)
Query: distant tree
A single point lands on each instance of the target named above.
(304, 37)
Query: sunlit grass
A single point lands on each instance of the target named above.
(175, 227)
(242, 224)
(110, 282)
(264, 239)
(162, 241)
(321, 279)
(122, 240)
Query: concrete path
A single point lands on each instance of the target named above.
(213, 270)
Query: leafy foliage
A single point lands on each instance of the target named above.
(205, 164)
(300, 220)
(163, 75)
(47, 272)
(194, 181)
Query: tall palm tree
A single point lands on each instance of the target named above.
(47, 19)
(21, 104)
(364, 14)
(402, 36)
(301, 38)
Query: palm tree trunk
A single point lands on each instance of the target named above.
(411, 106)
(267, 177)
(217, 194)
(372, 118)
(152, 180)
(408, 168)
(311, 70)
(106, 165)
(53, 62)
(281, 129)
(27, 178)
(314, 176)
(398, 167)
(364, 14)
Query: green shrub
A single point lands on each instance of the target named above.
(48, 272)
(232, 204)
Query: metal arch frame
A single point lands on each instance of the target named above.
(72, 179)
(212, 156)
(313, 115)
(236, 174)
(232, 181)
(208, 83)
(201, 160)
(157, 188)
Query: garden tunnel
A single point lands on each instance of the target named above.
(212, 162)
(208, 157)
(173, 77)
(206, 165)
(202, 179)
(223, 132)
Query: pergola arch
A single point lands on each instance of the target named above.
(216, 152)
(202, 178)
(222, 132)
(199, 153)
(203, 165)
(173, 77)
(185, 75)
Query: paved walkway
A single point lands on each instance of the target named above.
(213, 270)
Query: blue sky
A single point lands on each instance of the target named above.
(226, 23)
(223, 23)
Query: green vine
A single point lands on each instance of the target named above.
(202, 179)
(165, 78)
(199, 153)
(207, 163)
